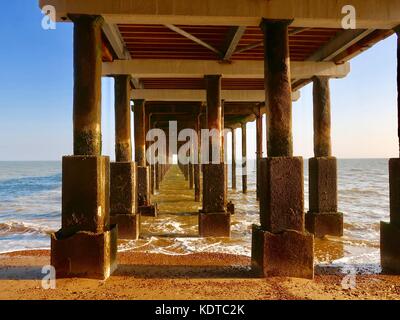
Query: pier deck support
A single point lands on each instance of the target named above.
(280, 245)
(86, 245)
(197, 187)
(196, 169)
(259, 144)
(152, 177)
(323, 218)
(143, 171)
(123, 193)
(157, 171)
(191, 176)
(233, 159)
(244, 158)
(390, 232)
(214, 221)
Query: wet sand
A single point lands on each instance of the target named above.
(205, 276)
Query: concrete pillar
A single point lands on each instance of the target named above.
(233, 159)
(86, 245)
(213, 219)
(140, 135)
(196, 169)
(140, 153)
(143, 171)
(390, 232)
(197, 188)
(214, 113)
(323, 218)
(123, 193)
(259, 144)
(244, 158)
(280, 245)
(152, 177)
(186, 168)
(157, 169)
(191, 176)
(149, 125)
(223, 142)
(123, 146)
(87, 85)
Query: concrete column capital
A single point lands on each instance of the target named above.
(265, 23)
(85, 18)
(212, 76)
(320, 78)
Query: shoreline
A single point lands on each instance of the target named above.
(203, 276)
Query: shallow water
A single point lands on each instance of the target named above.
(30, 206)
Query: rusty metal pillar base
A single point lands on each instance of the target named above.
(145, 208)
(86, 245)
(230, 207)
(215, 224)
(286, 254)
(149, 210)
(214, 197)
(191, 176)
(143, 185)
(186, 171)
(323, 218)
(390, 232)
(197, 187)
(123, 199)
(152, 177)
(214, 221)
(390, 248)
(157, 170)
(281, 246)
(85, 254)
(128, 226)
(322, 224)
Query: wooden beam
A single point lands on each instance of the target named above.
(340, 43)
(191, 109)
(200, 95)
(174, 108)
(250, 47)
(364, 44)
(235, 35)
(261, 43)
(244, 69)
(115, 39)
(136, 83)
(193, 38)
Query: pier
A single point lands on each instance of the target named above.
(210, 65)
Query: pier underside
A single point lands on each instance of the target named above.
(211, 65)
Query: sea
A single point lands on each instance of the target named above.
(30, 209)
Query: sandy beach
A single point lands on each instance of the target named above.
(205, 276)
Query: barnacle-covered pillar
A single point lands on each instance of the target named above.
(390, 232)
(123, 193)
(86, 245)
(213, 219)
(280, 244)
(323, 217)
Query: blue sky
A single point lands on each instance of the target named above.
(36, 96)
